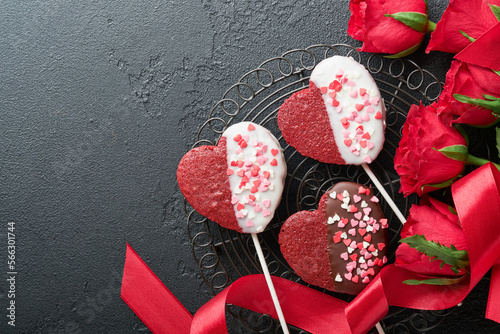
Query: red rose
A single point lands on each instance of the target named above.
(472, 88)
(423, 158)
(388, 26)
(434, 220)
(471, 81)
(462, 22)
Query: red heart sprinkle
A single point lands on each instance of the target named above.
(332, 94)
(240, 207)
(355, 279)
(378, 115)
(362, 143)
(352, 208)
(360, 106)
(366, 135)
(362, 91)
(335, 103)
(266, 174)
(230, 171)
(274, 151)
(251, 127)
(324, 90)
(354, 257)
(234, 163)
(254, 189)
(347, 142)
(381, 246)
(370, 271)
(371, 248)
(237, 137)
(347, 242)
(256, 183)
(362, 231)
(252, 197)
(368, 238)
(336, 239)
(340, 197)
(383, 221)
(274, 162)
(242, 143)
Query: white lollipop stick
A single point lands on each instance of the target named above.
(267, 275)
(384, 193)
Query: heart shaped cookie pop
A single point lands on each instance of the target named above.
(340, 118)
(342, 245)
(238, 183)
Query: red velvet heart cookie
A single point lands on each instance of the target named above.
(340, 118)
(342, 245)
(237, 183)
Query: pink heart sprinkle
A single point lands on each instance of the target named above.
(341, 224)
(354, 222)
(348, 276)
(346, 133)
(370, 263)
(356, 198)
(257, 208)
(350, 83)
(354, 94)
(358, 119)
(367, 159)
(367, 211)
(266, 203)
(358, 215)
(363, 266)
(369, 109)
(370, 145)
(352, 232)
(266, 213)
(374, 199)
(375, 100)
(367, 103)
(249, 223)
(366, 117)
(344, 256)
(366, 280)
(362, 224)
(338, 108)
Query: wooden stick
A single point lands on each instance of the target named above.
(270, 284)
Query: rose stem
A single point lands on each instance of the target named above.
(475, 161)
(384, 193)
(267, 275)
(379, 328)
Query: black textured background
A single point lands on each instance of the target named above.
(99, 101)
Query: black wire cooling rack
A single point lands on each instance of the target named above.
(224, 255)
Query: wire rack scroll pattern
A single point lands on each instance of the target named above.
(224, 255)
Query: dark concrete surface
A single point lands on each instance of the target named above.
(99, 101)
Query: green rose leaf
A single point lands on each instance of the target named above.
(455, 152)
(458, 259)
(416, 21)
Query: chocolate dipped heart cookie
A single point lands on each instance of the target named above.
(342, 245)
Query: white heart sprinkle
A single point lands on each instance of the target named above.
(338, 278)
(350, 250)
(364, 204)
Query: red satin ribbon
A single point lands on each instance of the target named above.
(477, 201)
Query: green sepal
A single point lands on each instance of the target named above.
(405, 52)
(490, 102)
(467, 36)
(452, 210)
(440, 185)
(498, 140)
(432, 281)
(416, 21)
(496, 10)
(457, 259)
(455, 152)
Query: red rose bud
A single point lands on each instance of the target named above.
(419, 162)
(433, 242)
(389, 26)
(463, 22)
